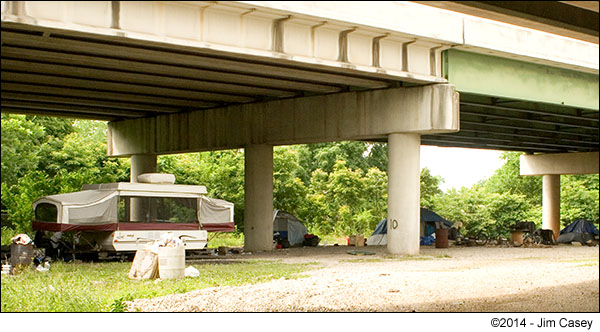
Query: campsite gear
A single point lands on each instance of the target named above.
(516, 237)
(21, 255)
(547, 236)
(430, 221)
(427, 240)
(311, 240)
(121, 216)
(287, 226)
(441, 238)
(171, 262)
(356, 240)
(580, 231)
(22, 239)
(43, 268)
(222, 251)
(524, 226)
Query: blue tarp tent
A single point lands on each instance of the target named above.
(430, 221)
(578, 231)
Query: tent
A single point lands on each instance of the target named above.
(287, 226)
(430, 221)
(580, 230)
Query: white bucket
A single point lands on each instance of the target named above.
(171, 262)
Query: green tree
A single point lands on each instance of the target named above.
(21, 140)
(430, 187)
(579, 198)
(55, 164)
(508, 179)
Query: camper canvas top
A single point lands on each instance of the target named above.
(148, 189)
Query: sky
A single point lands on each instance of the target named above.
(460, 167)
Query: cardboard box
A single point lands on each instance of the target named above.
(356, 240)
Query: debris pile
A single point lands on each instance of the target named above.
(147, 263)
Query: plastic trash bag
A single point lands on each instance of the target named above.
(145, 265)
(427, 240)
(21, 239)
(191, 271)
(43, 267)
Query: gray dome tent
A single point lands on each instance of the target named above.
(288, 227)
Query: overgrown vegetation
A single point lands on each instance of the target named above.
(103, 287)
(336, 189)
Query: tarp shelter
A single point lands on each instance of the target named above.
(430, 221)
(287, 226)
(580, 230)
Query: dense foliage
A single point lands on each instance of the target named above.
(335, 188)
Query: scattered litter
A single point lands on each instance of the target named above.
(21, 239)
(6, 268)
(43, 267)
(169, 240)
(192, 272)
(428, 240)
(146, 261)
(360, 252)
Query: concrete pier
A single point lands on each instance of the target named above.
(403, 193)
(551, 204)
(258, 198)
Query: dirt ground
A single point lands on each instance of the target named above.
(458, 279)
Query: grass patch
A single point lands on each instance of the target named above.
(582, 262)
(219, 239)
(103, 287)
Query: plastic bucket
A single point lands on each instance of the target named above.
(441, 238)
(171, 262)
(516, 237)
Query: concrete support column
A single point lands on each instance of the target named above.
(140, 164)
(258, 198)
(404, 193)
(551, 203)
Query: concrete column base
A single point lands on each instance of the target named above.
(404, 207)
(551, 204)
(258, 198)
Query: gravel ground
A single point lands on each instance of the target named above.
(458, 279)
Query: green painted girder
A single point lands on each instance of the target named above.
(507, 78)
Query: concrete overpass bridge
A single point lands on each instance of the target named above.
(175, 77)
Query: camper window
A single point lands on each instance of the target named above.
(158, 209)
(46, 212)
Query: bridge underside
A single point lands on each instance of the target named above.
(182, 77)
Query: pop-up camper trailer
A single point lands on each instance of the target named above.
(125, 216)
